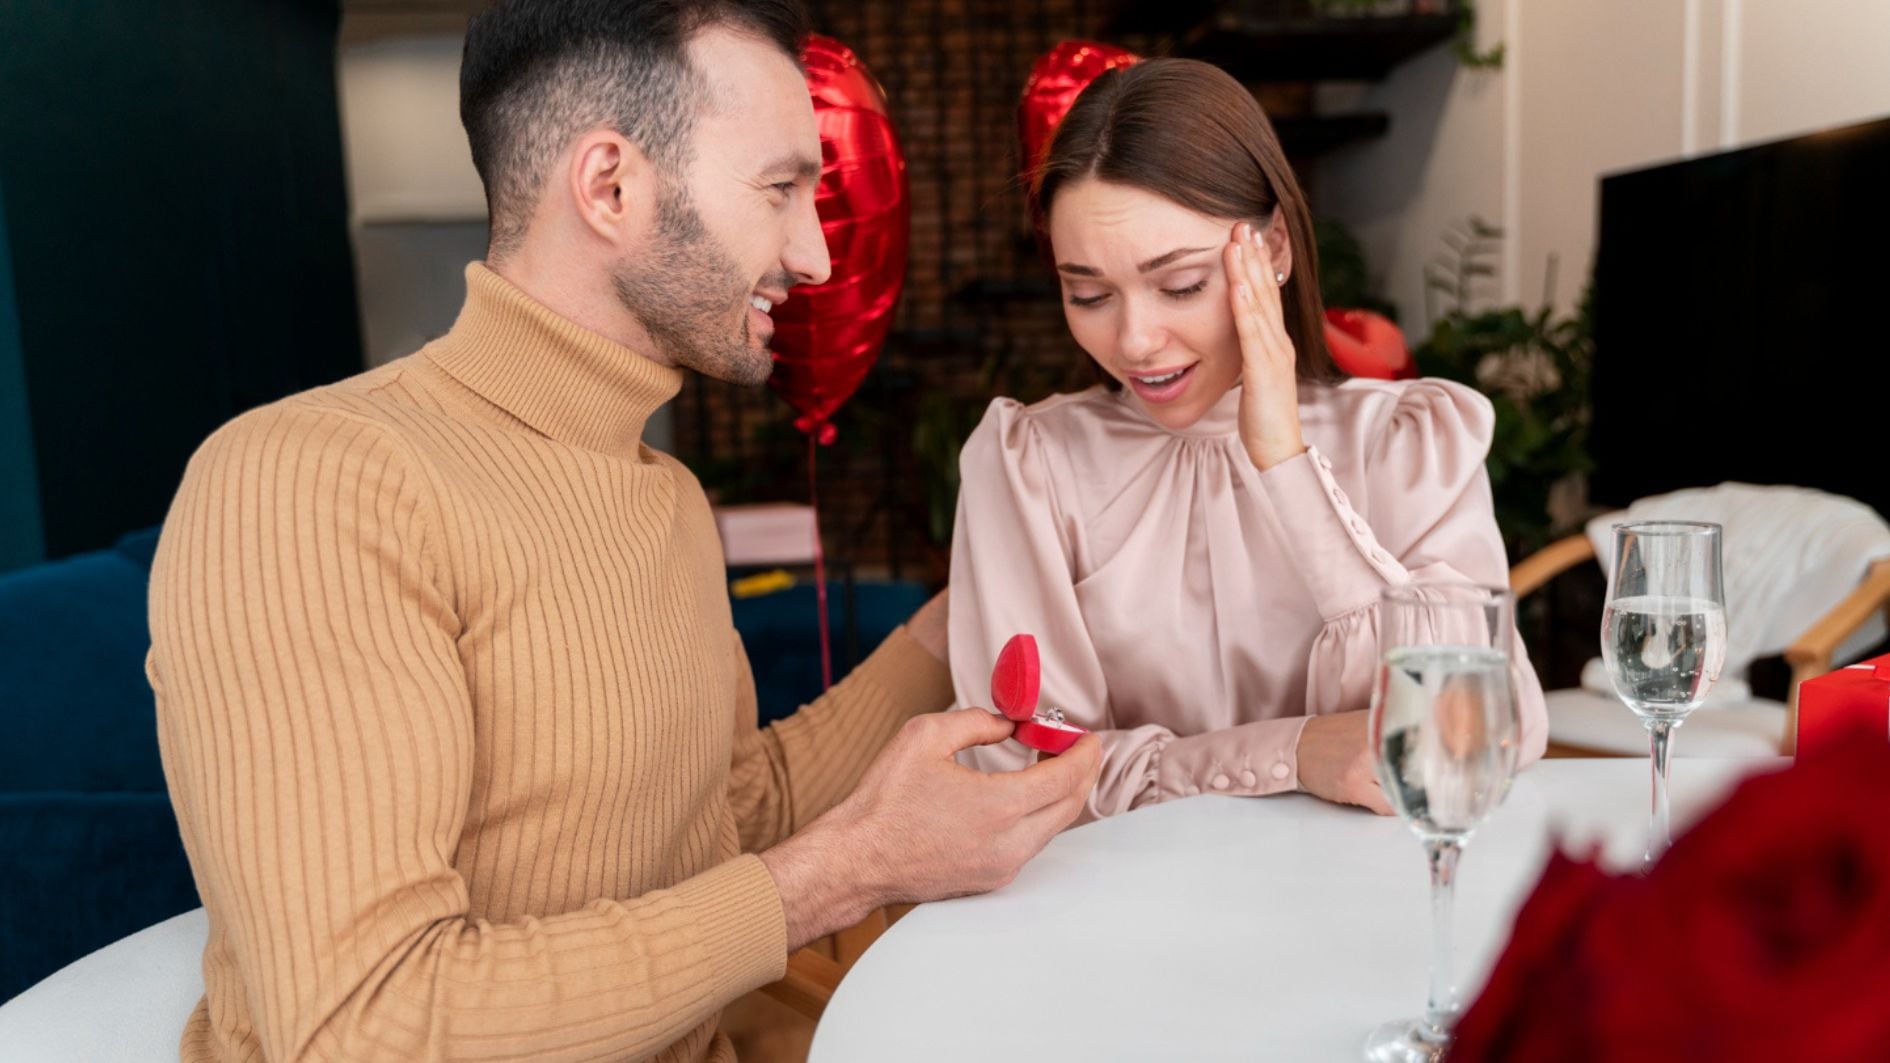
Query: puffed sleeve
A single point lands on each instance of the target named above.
(1430, 518)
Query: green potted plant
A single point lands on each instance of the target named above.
(1534, 366)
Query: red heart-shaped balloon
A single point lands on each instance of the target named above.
(1054, 83)
(827, 336)
(1368, 345)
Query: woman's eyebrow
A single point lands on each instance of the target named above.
(1078, 270)
(1162, 260)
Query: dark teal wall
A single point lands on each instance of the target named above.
(176, 210)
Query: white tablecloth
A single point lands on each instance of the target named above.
(1277, 928)
(1223, 928)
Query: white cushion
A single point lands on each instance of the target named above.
(1728, 690)
(1580, 718)
(125, 1003)
(1789, 554)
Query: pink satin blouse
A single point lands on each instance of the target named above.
(1193, 609)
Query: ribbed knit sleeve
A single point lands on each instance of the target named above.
(317, 733)
(789, 772)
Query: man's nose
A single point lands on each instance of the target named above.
(806, 253)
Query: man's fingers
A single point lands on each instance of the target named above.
(1051, 819)
(1058, 814)
(960, 729)
(1052, 779)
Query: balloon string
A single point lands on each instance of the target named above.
(820, 567)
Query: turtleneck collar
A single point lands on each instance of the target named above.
(572, 384)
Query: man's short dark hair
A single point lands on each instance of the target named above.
(537, 73)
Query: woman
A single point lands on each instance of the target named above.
(1198, 544)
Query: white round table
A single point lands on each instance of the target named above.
(1223, 928)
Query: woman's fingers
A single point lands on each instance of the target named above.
(1266, 284)
(1255, 297)
(1241, 300)
(1372, 796)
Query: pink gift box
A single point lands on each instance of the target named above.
(772, 533)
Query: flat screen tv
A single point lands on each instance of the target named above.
(1742, 320)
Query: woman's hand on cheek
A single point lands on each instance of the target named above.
(1269, 396)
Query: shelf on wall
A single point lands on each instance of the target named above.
(1289, 40)
(1364, 48)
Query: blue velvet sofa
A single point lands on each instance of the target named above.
(89, 850)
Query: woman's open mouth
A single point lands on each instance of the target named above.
(1165, 385)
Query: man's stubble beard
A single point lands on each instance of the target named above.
(681, 290)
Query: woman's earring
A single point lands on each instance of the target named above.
(1279, 277)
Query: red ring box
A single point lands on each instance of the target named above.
(1015, 683)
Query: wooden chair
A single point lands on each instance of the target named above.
(1810, 654)
(814, 972)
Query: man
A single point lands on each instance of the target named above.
(460, 736)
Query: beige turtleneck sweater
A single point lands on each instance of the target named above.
(460, 735)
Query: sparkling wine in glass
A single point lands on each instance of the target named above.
(1663, 636)
(1445, 735)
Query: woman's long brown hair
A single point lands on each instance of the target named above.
(1189, 132)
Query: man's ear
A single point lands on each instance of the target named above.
(612, 185)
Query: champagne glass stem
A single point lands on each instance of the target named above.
(1440, 1012)
(1660, 835)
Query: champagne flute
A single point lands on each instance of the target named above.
(1445, 735)
(1663, 636)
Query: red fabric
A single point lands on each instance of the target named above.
(1763, 934)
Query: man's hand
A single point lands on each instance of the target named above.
(922, 827)
(1335, 761)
